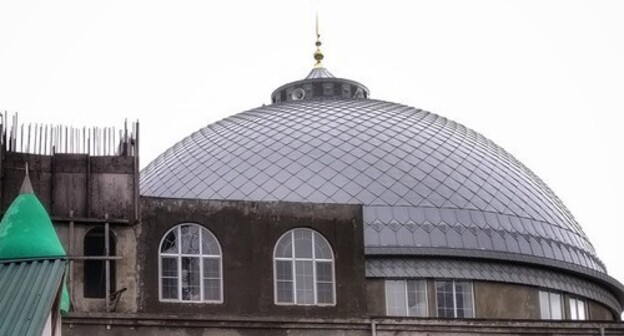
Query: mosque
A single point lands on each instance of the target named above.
(326, 212)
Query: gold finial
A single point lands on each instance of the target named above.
(318, 55)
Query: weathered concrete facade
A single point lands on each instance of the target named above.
(506, 301)
(76, 185)
(194, 325)
(248, 232)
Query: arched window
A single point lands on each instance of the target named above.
(95, 270)
(304, 269)
(190, 265)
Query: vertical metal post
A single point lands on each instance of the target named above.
(107, 262)
(88, 184)
(71, 253)
(135, 172)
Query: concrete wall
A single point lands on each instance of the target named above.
(598, 312)
(89, 186)
(376, 297)
(506, 301)
(13, 175)
(176, 325)
(247, 232)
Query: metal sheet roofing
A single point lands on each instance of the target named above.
(424, 180)
(319, 73)
(28, 290)
(26, 231)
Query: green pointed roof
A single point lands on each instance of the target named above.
(26, 230)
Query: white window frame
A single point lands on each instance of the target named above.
(179, 257)
(294, 260)
(474, 313)
(404, 282)
(549, 295)
(573, 304)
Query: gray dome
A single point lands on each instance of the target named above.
(428, 185)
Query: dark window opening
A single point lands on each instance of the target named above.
(95, 270)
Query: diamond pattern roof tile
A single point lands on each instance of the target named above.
(454, 187)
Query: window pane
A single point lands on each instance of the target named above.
(573, 307)
(555, 306)
(170, 244)
(284, 292)
(312, 279)
(321, 248)
(416, 298)
(189, 239)
(581, 309)
(395, 298)
(459, 305)
(181, 276)
(577, 309)
(324, 272)
(325, 293)
(169, 267)
(446, 313)
(210, 246)
(283, 270)
(304, 280)
(444, 296)
(170, 288)
(544, 305)
(463, 292)
(303, 243)
(212, 289)
(284, 247)
(190, 279)
(212, 268)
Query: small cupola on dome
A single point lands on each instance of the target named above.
(320, 83)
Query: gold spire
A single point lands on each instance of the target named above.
(318, 54)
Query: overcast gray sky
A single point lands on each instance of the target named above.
(543, 79)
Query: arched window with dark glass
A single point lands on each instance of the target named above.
(95, 270)
(190, 267)
(303, 264)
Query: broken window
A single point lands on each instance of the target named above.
(190, 265)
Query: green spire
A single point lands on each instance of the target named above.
(26, 232)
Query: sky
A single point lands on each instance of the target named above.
(543, 79)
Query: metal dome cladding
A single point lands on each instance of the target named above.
(428, 185)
